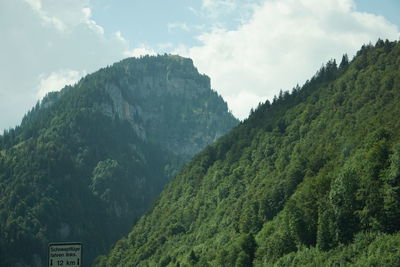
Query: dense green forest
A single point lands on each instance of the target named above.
(311, 179)
(86, 162)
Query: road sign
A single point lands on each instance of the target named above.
(65, 254)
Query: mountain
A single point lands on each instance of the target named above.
(87, 161)
(311, 179)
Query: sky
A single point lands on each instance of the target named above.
(251, 49)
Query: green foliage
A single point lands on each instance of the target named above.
(391, 193)
(367, 249)
(104, 178)
(88, 161)
(343, 201)
(312, 178)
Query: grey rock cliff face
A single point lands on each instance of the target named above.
(170, 103)
(124, 110)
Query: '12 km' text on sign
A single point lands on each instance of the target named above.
(65, 254)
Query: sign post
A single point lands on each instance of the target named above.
(65, 254)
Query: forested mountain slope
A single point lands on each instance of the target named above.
(311, 179)
(86, 162)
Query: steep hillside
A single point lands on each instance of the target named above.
(88, 161)
(311, 179)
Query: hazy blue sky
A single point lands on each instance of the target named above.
(250, 48)
(146, 22)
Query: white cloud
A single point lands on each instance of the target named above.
(91, 23)
(283, 43)
(227, 13)
(57, 80)
(119, 36)
(242, 101)
(178, 26)
(165, 46)
(140, 51)
(215, 8)
(48, 36)
(64, 15)
(36, 5)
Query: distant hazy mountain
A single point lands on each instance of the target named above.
(88, 161)
(312, 179)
